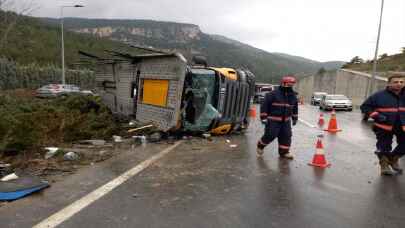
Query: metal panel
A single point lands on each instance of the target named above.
(170, 68)
(105, 85)
(109, 100)
(124, 76)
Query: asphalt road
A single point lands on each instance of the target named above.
(205, 183)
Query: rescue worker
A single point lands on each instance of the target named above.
(278, 110)
(387, 108)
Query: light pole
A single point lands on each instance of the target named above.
(63, 44)
(372, 84)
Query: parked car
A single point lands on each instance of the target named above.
(335, 101)
(58, 90)
(316, 97)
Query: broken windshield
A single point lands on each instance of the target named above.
(200, 108)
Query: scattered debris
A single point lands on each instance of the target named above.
(228, 141)
(3, 166)
(5, 169)
(94, 142)
(91, 146)
(20, 187)
(52, 151)
(140, 138)
(233, 145)
(117, 138)
(187, 137)
(9, 177)
(102, 152)
(139, 128)
(71, 156)
(206, 135)
(155, 137)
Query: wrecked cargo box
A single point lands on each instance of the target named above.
(162, 89)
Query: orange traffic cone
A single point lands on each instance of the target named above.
(321, 120)
(319, 159)
(252, 111)
(333, 128)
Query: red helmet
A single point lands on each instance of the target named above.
(288, 79)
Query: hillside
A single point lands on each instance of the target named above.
(189, 39)
(37, 40)
(32, 41)
(330, 65)
(385, 63)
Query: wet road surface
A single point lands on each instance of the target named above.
(210, 184)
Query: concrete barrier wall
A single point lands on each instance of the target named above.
(305, 86)
(350, 83)
(325, 82)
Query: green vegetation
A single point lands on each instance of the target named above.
(33, 76)
(385, 63)
(32, 41)
(27, 123)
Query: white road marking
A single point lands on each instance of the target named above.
(67, 212)
(306, 123)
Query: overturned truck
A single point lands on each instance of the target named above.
(162, 89)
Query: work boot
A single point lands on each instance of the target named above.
(287, 156)
(394, 162)
(385, 166)
(259, 152)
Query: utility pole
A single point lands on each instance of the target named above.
(63, 44)
(373, 76)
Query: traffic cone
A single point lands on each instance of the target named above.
(319, 159)
(321, 120)
(252, 112)
(333, 127)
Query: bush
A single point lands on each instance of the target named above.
(31, 123)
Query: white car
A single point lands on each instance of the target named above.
(58, 90)
(336, 102)
(316, 97)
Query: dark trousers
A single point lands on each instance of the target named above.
(279, 130)
(384, 142)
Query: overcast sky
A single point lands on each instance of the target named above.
(322, 30)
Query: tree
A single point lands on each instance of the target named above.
(321, 71)
(9, 15)
(403, 50)
(383, 56)
(356, 60)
